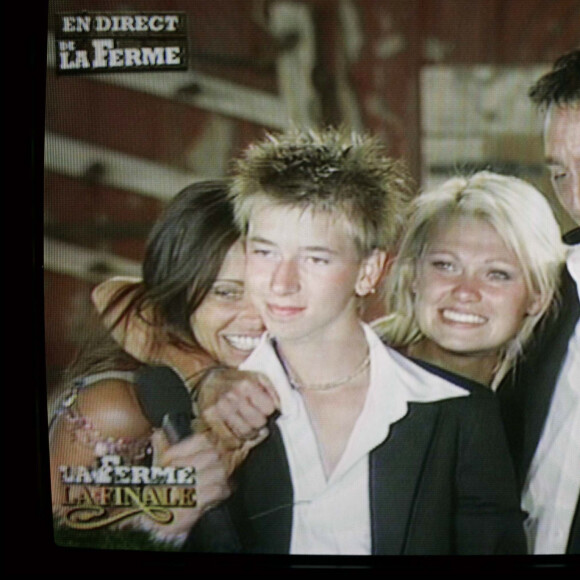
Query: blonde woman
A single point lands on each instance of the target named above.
(477, 269)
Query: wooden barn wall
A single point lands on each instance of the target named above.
(370, 55)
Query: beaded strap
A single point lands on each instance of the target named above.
(131, 449)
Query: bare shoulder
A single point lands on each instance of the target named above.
(112, 407)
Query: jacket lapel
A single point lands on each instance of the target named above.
(267, 500)
(395, 473)
(540, 371)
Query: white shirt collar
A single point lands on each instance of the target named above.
(331, 515)
(395, 381)
(264, 359)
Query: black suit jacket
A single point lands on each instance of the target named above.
(441, 483)
(526, 394)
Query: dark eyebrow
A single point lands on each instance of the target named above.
(428, 251)
(261, 240)
(319, 249)
(229, 281)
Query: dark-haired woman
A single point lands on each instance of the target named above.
(189, 312)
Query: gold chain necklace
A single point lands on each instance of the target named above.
(331, 385)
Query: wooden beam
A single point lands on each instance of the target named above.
(78, 159)
(86, 264)
(292, 24)
(198, 90)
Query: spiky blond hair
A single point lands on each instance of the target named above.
(330, 170)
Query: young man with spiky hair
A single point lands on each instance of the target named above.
(541, 405)
(371, 453)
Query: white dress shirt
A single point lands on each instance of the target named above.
(553, 482)
(332, 516)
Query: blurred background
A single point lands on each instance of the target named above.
(443, 83)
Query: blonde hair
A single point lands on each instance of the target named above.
(523, 219)
(330, 170)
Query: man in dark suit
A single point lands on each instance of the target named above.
(541, 404)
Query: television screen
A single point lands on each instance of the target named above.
(148, 108)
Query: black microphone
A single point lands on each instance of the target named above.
(165, 401)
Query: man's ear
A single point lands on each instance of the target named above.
(371, 270)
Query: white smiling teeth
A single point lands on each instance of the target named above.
(455, 316)
(242, 342)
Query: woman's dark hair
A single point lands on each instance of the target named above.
(185, 250)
